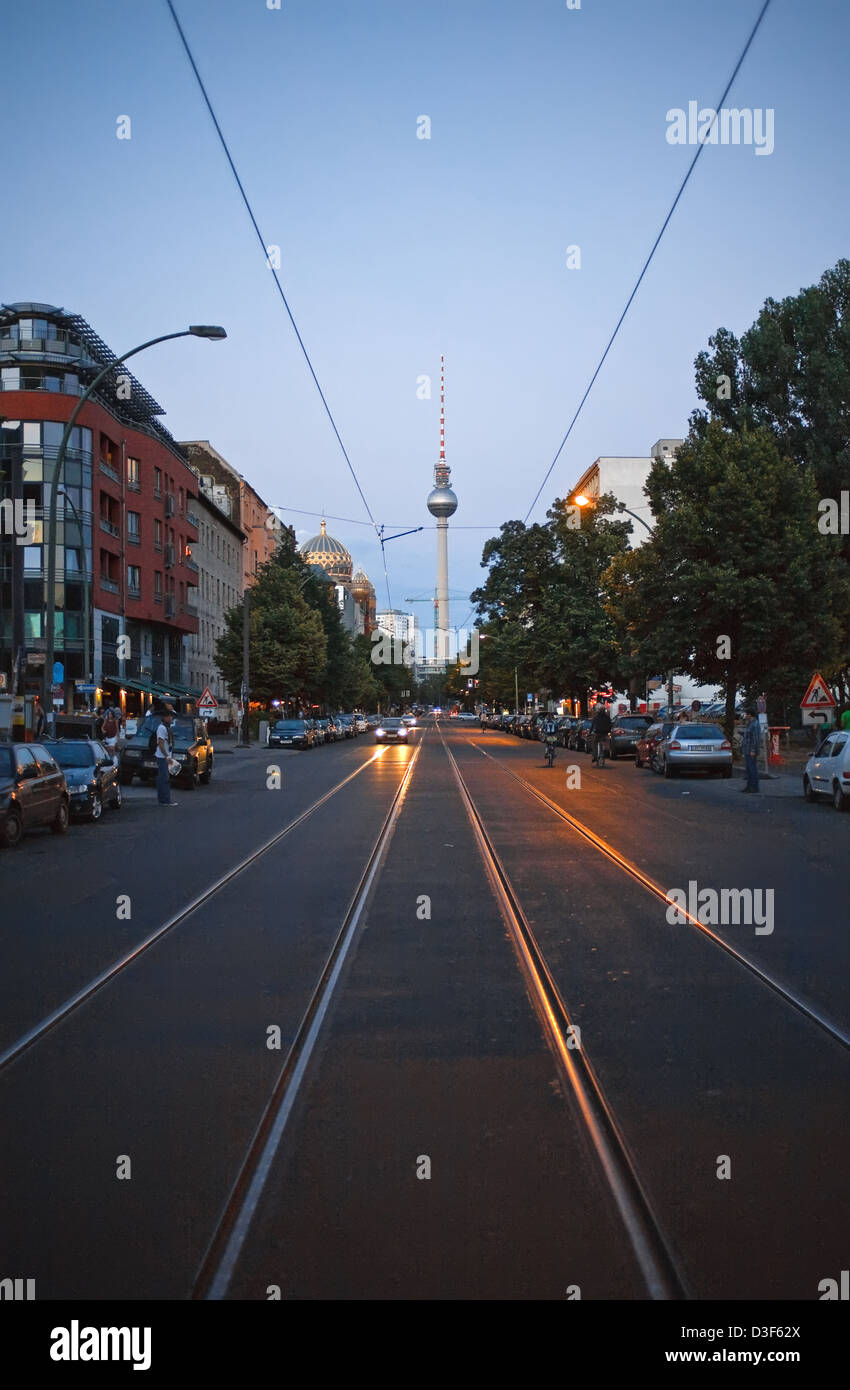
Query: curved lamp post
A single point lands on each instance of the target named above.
(580, 500)
(198, 330)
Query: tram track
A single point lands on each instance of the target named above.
(795, 1001)
(13, 1051)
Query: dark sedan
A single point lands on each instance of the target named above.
(391, 731)
(192, 749)
(579, 736)
(91, 775)
(33, 792)
(291, 733)
(626, 729)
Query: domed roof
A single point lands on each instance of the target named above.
(328, 552)
(361, 583)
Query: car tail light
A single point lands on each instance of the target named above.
(674, 744)
(725, 743)
(845, 776)
(618, 733)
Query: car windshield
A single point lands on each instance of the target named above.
(289, 726)
(72, 754)
(692, 731)
(392, 723)
(634, 721)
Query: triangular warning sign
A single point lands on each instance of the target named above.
(818, 695)
(208, 699)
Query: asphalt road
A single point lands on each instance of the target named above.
(422, 1140)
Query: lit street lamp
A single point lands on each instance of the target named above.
(198, 330)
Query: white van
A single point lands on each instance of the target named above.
(827, 772)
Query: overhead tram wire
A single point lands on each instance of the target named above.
(279, 286)
(648, 260)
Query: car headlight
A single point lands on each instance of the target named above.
(379, 733)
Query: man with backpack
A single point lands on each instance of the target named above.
(162, 742)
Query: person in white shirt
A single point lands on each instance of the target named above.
(163, 757)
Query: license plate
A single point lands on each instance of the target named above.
(152, 763)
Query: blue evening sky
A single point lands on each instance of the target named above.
(547, 129)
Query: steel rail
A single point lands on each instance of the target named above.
(653, 1252)
(224, 1249)
(808, 1010)
(82, 996)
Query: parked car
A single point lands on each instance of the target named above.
(694, 748)
(91, 775)
(360, 723)
(648, 742)
(33, 792)
(325, 729)
(827, 772)
(349, 726)
(291, 733)
(626, 729)
(565, 724)
(578, 739)
(391, 730)
(192, 749)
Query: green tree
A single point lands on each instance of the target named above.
(736, 586)
(287, 642)
(791, 372)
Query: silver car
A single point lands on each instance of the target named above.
(694, 748)
(828, 771)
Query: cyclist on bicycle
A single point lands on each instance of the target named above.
(550, 736)
(600, 728)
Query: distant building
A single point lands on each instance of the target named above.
(236, 497)
(397, 623)
(218, 556)
(625, 478)
(355, 594)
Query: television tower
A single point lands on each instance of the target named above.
(442, 503)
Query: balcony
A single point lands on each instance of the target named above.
(134, 591)
(170, 605)
(109, 527)
(109, 471)
(133, 485)
(169, 504)
(133, 538)
(191, 565)
(109, 585)
(169, 557)
(192, 519)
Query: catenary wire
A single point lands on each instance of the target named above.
(648, 260)
(279, 286)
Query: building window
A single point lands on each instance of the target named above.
(134, 528)
(134, 474)
(157, 533)
(134, 581)
(157, 586)
(157, 482)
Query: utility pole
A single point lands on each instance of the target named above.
(516, 690)
(246, 668)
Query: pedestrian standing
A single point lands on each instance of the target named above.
(98, 724)
(163, 758)
(39, 718)
(750, 747)
(111, 730)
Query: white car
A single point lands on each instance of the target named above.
(360, 723)
(827, 772)
(409, 720)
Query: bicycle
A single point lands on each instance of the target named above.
(550, 751)
(600, 751)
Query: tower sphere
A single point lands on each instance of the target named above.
(442, 502)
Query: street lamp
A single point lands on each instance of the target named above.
(198, 330)
(580, 500)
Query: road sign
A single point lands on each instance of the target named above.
(818, 695)
(207, 705)
(58, 672)
(85, 689)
